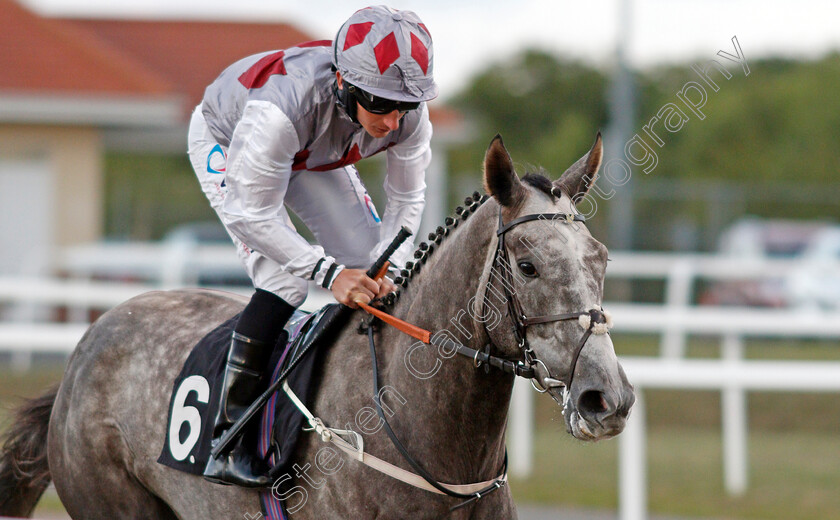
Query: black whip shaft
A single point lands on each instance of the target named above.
(395, 244)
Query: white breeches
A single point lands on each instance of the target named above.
(334, 205)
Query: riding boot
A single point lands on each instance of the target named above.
(244, 379)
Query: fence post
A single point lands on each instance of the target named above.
(24, 312)
(734, 423)
(632, 464)
(521, 432)
(173, 270)
(677, 300)
(80, 313)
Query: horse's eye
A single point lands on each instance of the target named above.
(528, 269)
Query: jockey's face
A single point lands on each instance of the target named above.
(378, 125)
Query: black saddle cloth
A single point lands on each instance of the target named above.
(195, 397)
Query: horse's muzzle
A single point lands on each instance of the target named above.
(596, 412)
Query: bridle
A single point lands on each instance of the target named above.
(593, 321)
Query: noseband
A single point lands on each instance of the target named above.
(594, 321)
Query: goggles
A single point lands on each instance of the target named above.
(378, 105)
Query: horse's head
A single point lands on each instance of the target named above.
(548, 273)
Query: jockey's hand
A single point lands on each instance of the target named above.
(385, 286)
(354, 284)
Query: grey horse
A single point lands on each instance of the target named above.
(97, 437)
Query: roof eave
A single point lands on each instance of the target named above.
(123, 111)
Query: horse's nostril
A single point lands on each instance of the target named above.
(592, 401)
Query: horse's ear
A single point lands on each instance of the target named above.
(500, 179)
(580, 176)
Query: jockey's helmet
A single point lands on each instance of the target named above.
(385, 58)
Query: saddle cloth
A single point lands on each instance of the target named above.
(195, 396)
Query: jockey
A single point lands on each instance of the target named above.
(281, 131)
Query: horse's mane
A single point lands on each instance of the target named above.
(425, 249)
(536, 180)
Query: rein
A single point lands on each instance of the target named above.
(479, 357)
(355, 445)
(443, 488)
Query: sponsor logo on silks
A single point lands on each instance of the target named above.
(372, 208)
(216, 158)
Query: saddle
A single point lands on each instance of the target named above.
(274, 432)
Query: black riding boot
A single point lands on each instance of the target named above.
(246, 370)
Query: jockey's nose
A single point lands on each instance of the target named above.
(392, 119)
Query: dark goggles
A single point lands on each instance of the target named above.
(378, 105)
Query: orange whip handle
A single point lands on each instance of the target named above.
(412, 330)
(382, 271)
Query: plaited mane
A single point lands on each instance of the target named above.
(537, 180)
(425, 249)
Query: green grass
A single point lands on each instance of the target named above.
(794, 447)
(791, 475)
(16, 386)
(49, 506)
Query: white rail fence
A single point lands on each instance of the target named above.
(176, 263)
(732, 377)
(29, 333)
(675, 320)
(733, 326)
(681, 271)
(94, 280)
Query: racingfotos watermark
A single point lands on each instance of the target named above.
(689, 102)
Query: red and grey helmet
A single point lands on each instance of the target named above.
(387, 53)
